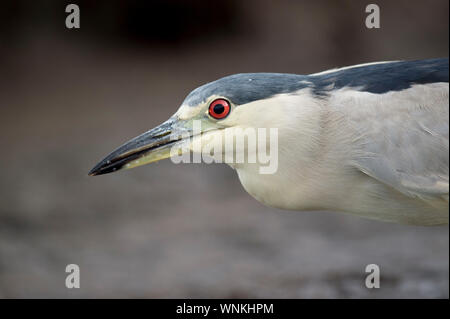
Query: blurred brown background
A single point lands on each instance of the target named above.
(69, 97)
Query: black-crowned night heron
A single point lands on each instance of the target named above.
(370, 140)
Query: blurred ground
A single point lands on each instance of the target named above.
(190, 230)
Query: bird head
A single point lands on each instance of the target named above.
(234, 102)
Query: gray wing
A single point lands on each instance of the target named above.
(404, 139)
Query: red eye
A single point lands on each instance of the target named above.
(219, 109)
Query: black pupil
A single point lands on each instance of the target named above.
(219, 108)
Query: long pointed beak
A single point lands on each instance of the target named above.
(149, 147)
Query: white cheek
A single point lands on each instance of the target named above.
(186, 112)
(208, 140)
(257, 114)
(225, 144)
(274, 112)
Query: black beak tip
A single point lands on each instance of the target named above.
(102, 168)
(95, 171)
(92, 172)
(108, 165)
